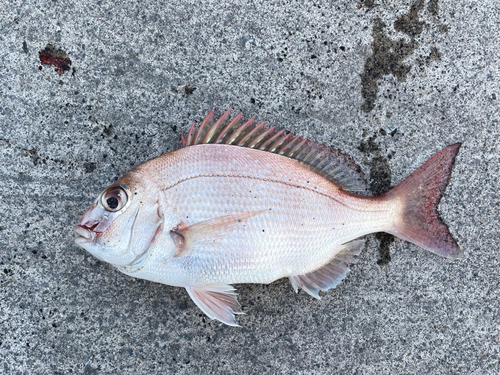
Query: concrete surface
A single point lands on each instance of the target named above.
(390, 82)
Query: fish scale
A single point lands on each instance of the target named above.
(239, 203)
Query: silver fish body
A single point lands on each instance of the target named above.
(300, 218)
(214, 214)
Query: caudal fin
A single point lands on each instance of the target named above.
(418, 198)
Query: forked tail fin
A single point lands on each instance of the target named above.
(418, 197)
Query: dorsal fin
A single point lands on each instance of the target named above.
(327, 161)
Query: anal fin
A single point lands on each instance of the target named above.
(331, 274)
(217, 301)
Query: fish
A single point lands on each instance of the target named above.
(241, 203)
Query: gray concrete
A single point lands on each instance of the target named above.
(143, 71)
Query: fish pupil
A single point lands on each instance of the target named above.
(112, 202)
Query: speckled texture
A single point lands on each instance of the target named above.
(141, 72)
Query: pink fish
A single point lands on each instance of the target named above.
(242, 204)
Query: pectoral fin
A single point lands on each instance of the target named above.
(217, 301)
(331, 274)
(187, 238)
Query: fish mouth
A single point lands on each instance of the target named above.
(86, 234)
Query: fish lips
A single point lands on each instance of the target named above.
(85, 235)
(92, 224)
(86, 240)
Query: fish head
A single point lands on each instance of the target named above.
(122, 222)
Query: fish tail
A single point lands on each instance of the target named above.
(417, 219)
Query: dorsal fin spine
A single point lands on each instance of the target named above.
(298, 147)
(335, 170)
(279, 142)
(303, 151)
(261, 137)
(322, 163)
(270, 140)
(215, 127)
(238, 132)
(203, 128)
(252, 133)
(319, 158)
(310, 156)
(234, 122)
(329, 163)
(289, 146)
(190, 136)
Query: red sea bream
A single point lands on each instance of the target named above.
(242, 204)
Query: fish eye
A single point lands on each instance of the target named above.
(114, 198)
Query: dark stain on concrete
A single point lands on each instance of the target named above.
(32, 154)
(380, 175)
(188, 90)
(89, 167)
(52, 55)
(387, 58)
(444, 28)
(25, 47)
(384, 249)
(380, 182)
(388, 55)
(184, 90)
(433, 7)
(368, 4)
(369, 146)
(410, 23)
(434, 55)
